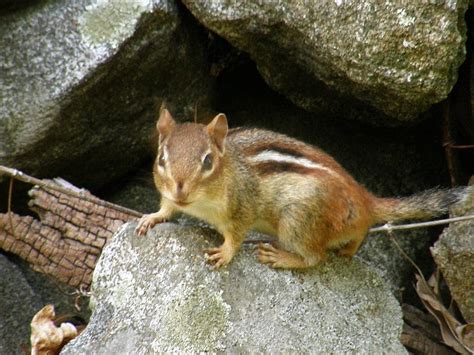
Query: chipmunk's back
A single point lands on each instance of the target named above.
(272, 153)
(299, 183)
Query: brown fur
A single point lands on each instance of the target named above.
(275, 184)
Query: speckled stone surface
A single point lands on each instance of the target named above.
(454, 255)
(83, 81)
(18, 305)
(353, 58)
(156, 294)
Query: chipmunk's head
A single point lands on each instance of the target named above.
(189, 157)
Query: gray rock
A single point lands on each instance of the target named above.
(454, 255)
(81, 83)
(156, 294)
(18, 305)
(350, 58)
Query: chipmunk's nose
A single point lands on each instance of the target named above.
(181, 194)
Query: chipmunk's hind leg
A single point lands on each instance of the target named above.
(280, 259)
(297, 247)
(351, 248)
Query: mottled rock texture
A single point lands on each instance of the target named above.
(81, 82)
(454, 255)
(15, 316)
(381, 61)
(156, 294)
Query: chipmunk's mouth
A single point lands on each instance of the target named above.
(181, 203)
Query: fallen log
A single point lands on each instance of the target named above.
(67, 239)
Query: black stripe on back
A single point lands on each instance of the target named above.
(276, 167)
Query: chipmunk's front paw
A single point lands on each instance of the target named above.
(220, 256)
(147, 222)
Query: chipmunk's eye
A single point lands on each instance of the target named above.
(161, 160)
(207, 162)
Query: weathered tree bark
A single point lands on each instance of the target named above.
(72, 229)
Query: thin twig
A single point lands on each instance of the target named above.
(9, 208)
(405, 255)
(195, 112)
(82, 194)
(389, 227)
(453, 146)
(447, 137)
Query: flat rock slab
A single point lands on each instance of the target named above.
(157, 294)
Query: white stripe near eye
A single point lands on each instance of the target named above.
(164, 157)
(205, 154)
(271, 155)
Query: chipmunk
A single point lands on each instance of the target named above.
(242, 179)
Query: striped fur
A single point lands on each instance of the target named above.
(423, 205)
(277, 158)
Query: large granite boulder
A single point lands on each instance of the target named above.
(354, 59)
(81, 82)
(156, 294)
(454, 255)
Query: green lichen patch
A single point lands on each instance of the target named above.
(109, 22)
(198, 321)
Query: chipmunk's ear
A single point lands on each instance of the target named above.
(217, 129)
(165, 124)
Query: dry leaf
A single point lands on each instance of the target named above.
(466, 332)
(454, 334)
(46, 337)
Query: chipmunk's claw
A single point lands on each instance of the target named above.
(267, 254)
(147, 222)
(280, 259)
(219, 256)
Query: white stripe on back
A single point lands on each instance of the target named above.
(271, 155)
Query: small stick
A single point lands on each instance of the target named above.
(195, 112)
(390, 227)
(9, 208)
(447, 137)
(460, 146)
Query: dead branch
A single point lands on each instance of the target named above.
(72, 229)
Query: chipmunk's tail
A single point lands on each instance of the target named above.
(423, 205)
